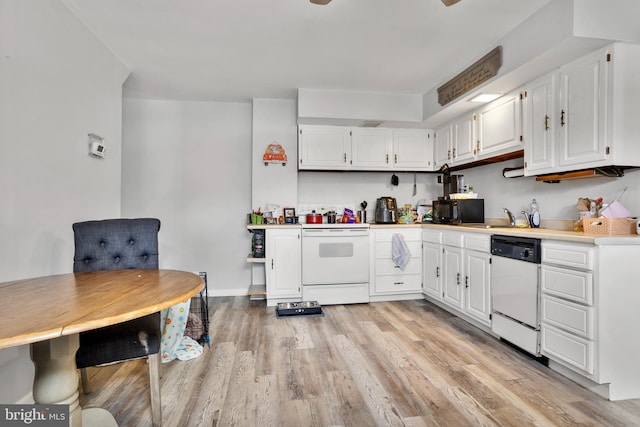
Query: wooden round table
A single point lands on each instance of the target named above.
(49, 312)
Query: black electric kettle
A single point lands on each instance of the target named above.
(386, 210)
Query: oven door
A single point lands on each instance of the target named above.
(335, 256)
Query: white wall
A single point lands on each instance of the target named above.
(556, 201)
(188, 164)
(274, 120)
(351, 188)
(57, 84)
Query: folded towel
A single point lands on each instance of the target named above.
(399, 251)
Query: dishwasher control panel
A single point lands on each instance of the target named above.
(520, 248)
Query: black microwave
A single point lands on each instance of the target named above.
(461, 211)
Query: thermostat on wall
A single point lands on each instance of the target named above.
(96, 146)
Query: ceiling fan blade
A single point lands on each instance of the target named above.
(322, 2)
(449, 2)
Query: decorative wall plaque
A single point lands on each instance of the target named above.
(478, 73)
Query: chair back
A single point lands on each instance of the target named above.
(116, 244)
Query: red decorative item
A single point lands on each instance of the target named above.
(274, 154)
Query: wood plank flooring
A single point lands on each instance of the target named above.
(406, 363)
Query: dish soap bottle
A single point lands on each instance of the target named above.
(535, 214)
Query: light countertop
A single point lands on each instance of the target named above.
(539, 233)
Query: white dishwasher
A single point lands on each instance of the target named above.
(515, 291)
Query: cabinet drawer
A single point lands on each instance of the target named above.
(568, 316)
(432, 236)
(563, 346)
(398, 284)
(569, 284)
(385, 266)
(453, 238)
(408, 234)
(477, 242)
(383, 250)
(568, 254)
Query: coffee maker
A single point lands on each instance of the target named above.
(451, 184)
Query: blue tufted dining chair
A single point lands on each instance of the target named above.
(119, 244)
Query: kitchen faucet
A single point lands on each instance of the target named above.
(512, 220)
(527, 217)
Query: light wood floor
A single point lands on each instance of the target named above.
(386, 364)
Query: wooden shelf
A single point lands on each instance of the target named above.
(257, 292)
(251, 258)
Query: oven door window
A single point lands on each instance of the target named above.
(335, 250)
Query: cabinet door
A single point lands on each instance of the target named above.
(540, 123)
(283, 259)
(432, 270)
(324, 147)
(499, 126)
(371, 148)
(464, 139)
(442, 146)
(412, 150)
(582, 118)
(452, 270)
(476, 282)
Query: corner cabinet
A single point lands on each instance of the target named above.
(456, 271)
(492, 130)
(442, 146)
(364, 149)
(432, 263)
(455, 143)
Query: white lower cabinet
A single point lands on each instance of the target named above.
(388, 278)
(432, 263)
(476, 283)
(282, 264)
(452, 269)
(456, 270)
(566, 305)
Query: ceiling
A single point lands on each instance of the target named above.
(236, 50)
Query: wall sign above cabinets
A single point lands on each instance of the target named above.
(478, 73)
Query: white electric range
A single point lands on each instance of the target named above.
(335, 263)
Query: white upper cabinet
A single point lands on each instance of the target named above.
(371, 148)
(324, 147)
(539, 126)
(583, 91)
(412, 149)
(499, 126)
(455, 142)
(354, 148)
(585, 114)
(492, 130)
(464, 138)
(442, 146)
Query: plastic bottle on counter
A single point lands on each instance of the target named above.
(535, 214)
